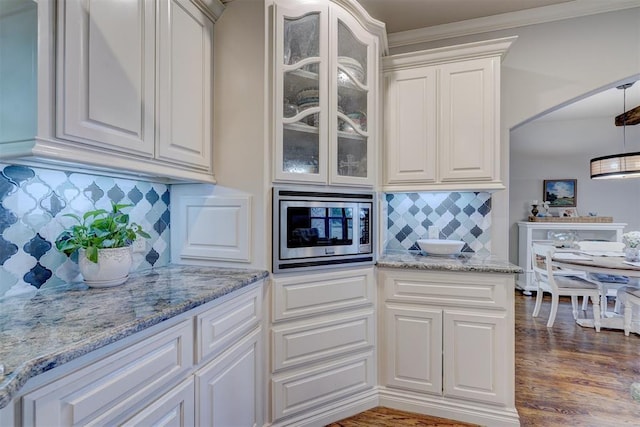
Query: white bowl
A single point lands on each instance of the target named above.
(441, 247)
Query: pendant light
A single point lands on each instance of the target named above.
(624, 165)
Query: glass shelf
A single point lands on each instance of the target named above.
(299, 127)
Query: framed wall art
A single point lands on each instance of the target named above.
(560, 193)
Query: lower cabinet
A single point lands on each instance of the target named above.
(175, 408)
(447, 344)
(323, 364)
(229, 387)
(203, 367)
(112, 390)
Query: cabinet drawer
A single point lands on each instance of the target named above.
(312, 294)
(312, 387)
(472, 289)
(110, 389)
(219, 326)
(311, 341)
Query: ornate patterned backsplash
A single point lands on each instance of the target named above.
(464, 216)
(32, 204)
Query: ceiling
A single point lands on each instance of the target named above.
(404, 15)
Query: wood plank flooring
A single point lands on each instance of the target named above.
(565, 376)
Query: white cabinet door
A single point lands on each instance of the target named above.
(413, 348)
(469, 120)
(106, 84)
(478, 356)
(353, 114)
(175, 409)
(301, 92)
(185, 52)
(410, 125)
(229, 388)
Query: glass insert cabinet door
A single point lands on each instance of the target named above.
(301, 104)
(323, 81)
(352, 51)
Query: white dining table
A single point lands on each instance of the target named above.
(612, 265)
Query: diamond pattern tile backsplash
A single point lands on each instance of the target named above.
(32, 204)
(464, 216)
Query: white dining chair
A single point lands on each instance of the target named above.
(630, 297)
(609, 283)
(560, 285)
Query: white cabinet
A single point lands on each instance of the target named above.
(530, 231)
(486, 376)
(106, 84)
(117, 387)
(184, 63)
(175, 408)
(205, 367)
(123, 86)
(416, 336)
(322, 344)
(442, 118)
(325, 90)
(230, 386)
(447, 343)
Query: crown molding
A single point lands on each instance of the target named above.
(481, 49)
(540, 15)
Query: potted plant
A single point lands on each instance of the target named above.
(103, 240)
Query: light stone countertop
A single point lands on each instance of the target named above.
(417, 260)
(42, 331)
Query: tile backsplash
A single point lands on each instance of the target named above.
(32, 204)
(458, 215)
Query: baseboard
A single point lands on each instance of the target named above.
(333, 412)
(448, 408)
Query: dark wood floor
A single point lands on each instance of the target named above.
(565, 376)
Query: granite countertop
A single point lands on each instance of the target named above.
(41, 331)
(462, 262)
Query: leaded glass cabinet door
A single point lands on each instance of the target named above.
(301, 89)
(353, 78)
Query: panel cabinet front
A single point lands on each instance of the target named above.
(410, 125)
(176, 408)
(229, 388)
(106, 74)
(413, 348)
(475, 345)
(469, 120)
(185, 60)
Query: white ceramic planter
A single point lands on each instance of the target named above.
(112, 268)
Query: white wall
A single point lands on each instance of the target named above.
(551, 64)
(240, 151)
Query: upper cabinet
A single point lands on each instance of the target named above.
(123, 86)
(326, 97)
(442, 118)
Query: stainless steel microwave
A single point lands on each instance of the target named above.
(321, 229)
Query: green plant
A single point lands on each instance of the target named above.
(99, 229)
